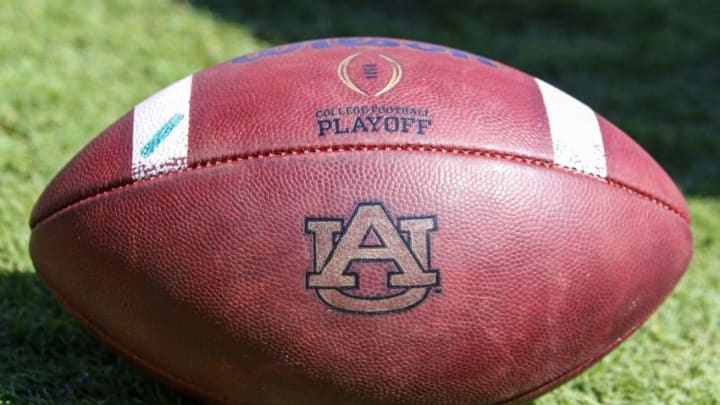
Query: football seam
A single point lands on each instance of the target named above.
(173, 379)
(585, 365)
(425, 148)
(190, 388)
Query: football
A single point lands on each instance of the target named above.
(361, 221)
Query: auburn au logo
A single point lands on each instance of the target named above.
(343, 252)
(369, 73)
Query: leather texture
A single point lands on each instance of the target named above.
(198, 275)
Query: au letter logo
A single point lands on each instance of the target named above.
(405, 245)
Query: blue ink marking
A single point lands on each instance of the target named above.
(160, 135)
(361, 41)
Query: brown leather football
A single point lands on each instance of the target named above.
(361, 221)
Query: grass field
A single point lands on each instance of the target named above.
(69, 68)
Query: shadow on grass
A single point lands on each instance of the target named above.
(46, 357)
(650, 67)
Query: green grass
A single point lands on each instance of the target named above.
(67, 69)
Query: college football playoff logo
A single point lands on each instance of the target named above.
(369, 241)
(369, 73)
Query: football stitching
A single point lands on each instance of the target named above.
(180, 381)
(310, 150)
